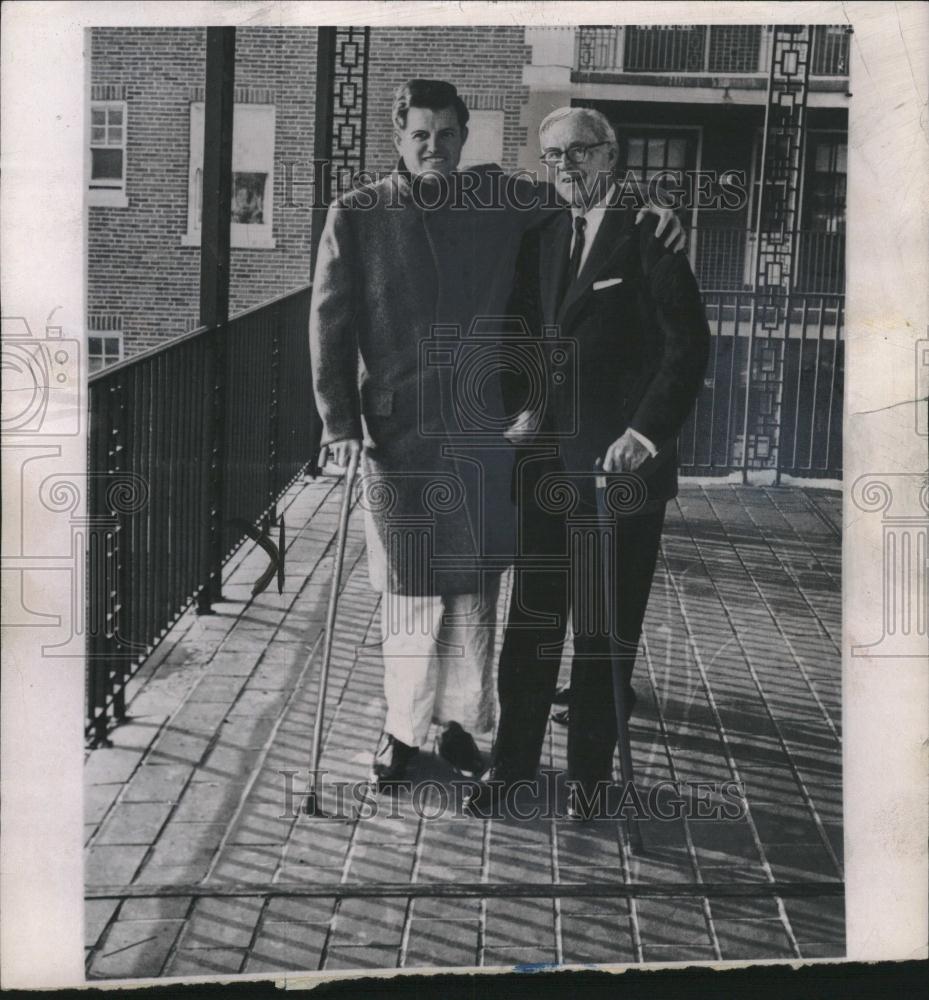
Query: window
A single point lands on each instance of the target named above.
(485, 139)
(108, 154)
(252, 175)
(649, 153)
(827, 157)
(821, 251)
(104, 349)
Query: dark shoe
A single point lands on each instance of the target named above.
(562, 717)
(458, 748)
(587, 800)
(390, 762)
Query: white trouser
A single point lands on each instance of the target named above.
(438, 661)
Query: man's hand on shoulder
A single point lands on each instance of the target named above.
(669, 225)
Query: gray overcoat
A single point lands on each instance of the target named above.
(405, 353)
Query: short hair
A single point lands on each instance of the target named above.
(433, 94)
(596, 121)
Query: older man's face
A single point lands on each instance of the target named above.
(581, 182)
(431, 142)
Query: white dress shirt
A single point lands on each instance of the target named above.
(594, 217)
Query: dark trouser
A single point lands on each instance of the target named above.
(535, 632)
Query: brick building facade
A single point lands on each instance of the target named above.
(689, 98)
(143, 261)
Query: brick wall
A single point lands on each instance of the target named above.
(137, 267)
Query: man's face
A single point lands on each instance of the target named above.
(580, 183)
(431, 141)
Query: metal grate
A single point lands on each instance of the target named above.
(830, 50)
(734, 48)
(677, 47)
(786, 387)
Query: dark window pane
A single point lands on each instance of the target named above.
(248, 195)
(95, 345)
(111, 347)
(106, 164)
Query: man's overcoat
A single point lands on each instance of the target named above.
(408, 283)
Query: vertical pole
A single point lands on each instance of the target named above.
(322, 179)
(322, 134)
(217, 176)
(214, 288)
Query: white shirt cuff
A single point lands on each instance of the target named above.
(643, 440)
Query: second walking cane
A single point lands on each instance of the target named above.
(313, 807)
(620, 679)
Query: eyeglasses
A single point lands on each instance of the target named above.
(578, 152)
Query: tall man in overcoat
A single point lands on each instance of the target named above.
(401, 371)
(631, 312)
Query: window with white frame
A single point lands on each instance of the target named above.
(252, 176)
(108, 154)
(103, 349)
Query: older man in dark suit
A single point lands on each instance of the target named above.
(630, 311)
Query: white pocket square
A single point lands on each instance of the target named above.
(607, 283)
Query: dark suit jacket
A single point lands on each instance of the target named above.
(631, 353)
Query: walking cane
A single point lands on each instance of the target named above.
(619, 680)
(312, 799)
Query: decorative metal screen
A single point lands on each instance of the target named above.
(349, 98)
(782, 169)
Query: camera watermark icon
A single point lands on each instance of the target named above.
(476, 384)
(41, 381)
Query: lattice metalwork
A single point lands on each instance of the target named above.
(349, 98)
(782, 165)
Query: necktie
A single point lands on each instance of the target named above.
(580, 225)
(573, 264)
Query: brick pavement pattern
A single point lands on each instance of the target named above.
(738, 680)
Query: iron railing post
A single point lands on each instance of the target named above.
(214, 288)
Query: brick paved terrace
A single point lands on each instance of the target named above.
(196, 863)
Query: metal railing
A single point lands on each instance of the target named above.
(672, 48)
(697, 49)
(722, 260)
(830, 50)
(783, 386)
(191, 445)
